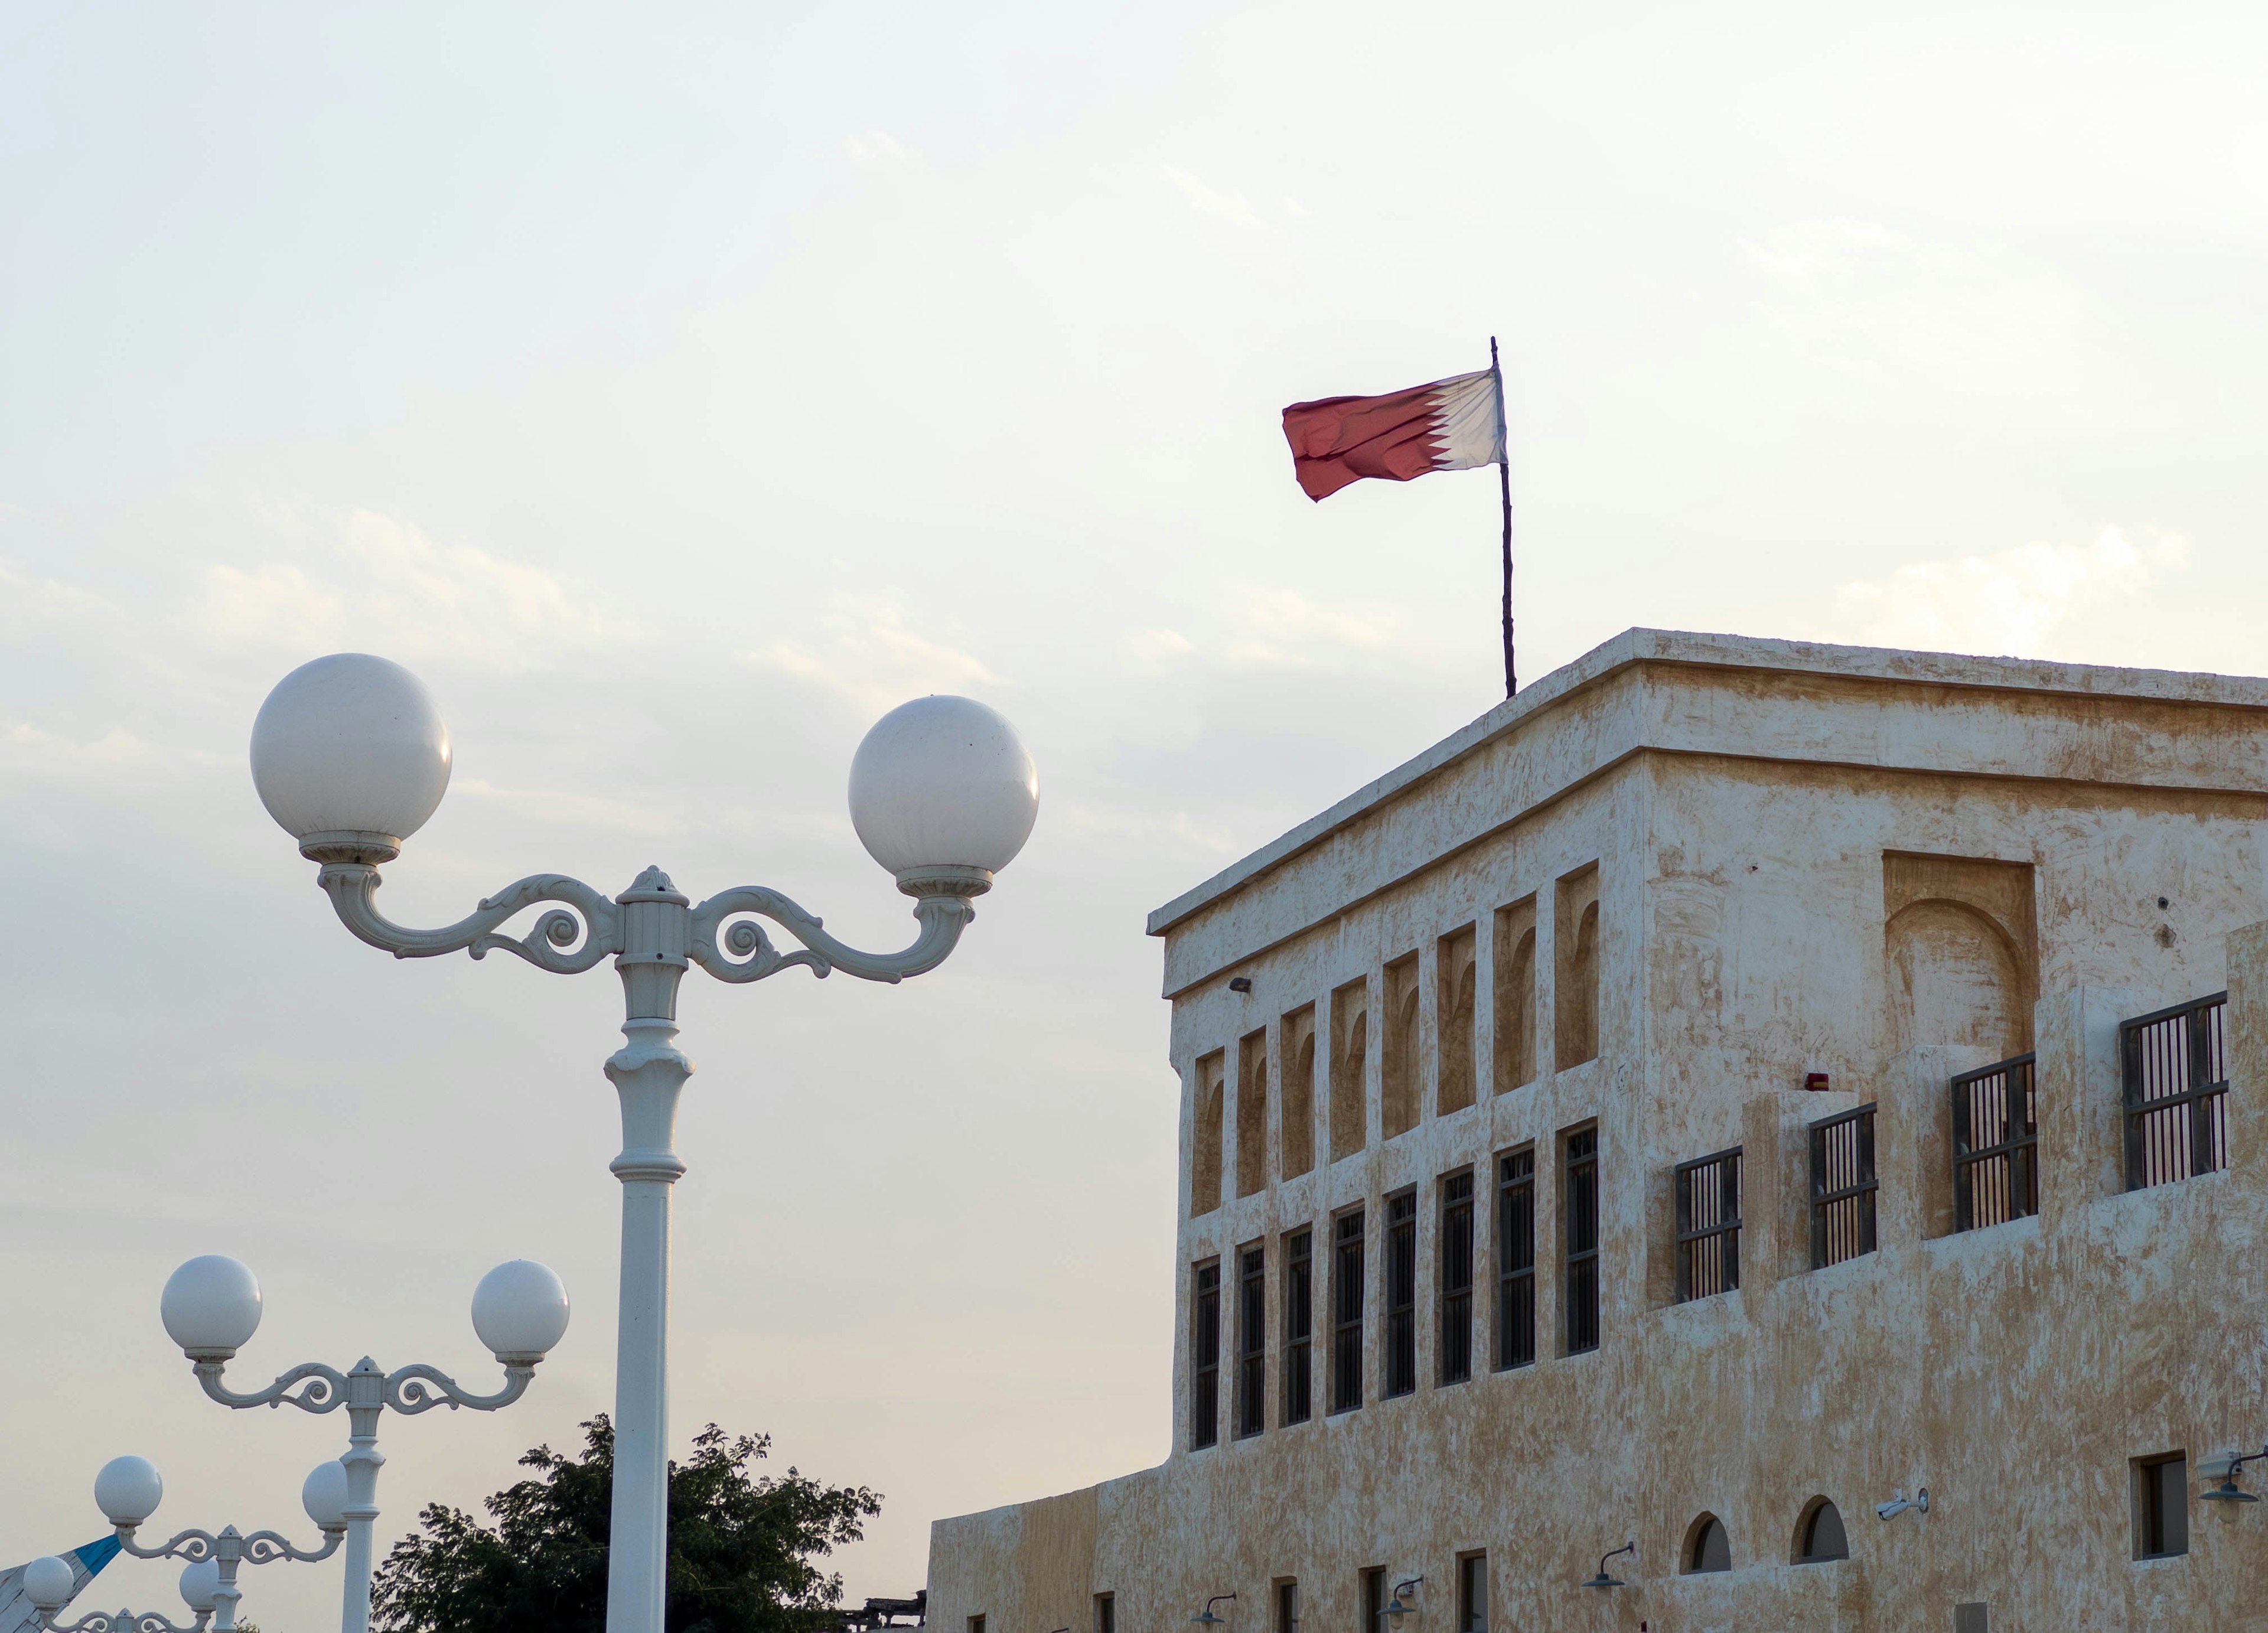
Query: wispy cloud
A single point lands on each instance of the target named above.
(2014, 602)
(1208, 200)
(867, 656)
(371, 580)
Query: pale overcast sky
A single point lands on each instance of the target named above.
(676, 391)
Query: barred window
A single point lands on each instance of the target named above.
(1252, 1341)
(1400, 1295)
(1299, 1326)
(1709, 1224)
(2176, 1077)
(1842, 1187)
(1456, 1261)
(1580, 1234)
(1516, 1259)
(1996, 1136)
(1204, 1357)
(1346, 1312)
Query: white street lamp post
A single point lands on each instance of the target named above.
(212, 1307)
(351, 757)
(128, 1491)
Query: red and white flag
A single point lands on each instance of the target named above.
(1453, 424)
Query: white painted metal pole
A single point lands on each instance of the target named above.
(365, 1400)
(648, 1073)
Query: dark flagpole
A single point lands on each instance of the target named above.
(1504, 475)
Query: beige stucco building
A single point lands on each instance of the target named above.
(1451, 1305)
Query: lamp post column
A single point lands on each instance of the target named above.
(648, 1073)
(365, 1400)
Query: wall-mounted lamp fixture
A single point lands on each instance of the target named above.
(1602, 1580)
(1897, 1504)
(1205, 1618)
(1398, 1607)
(1240, 983)
(2227, 1491)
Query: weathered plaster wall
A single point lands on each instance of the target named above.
(1737, 799)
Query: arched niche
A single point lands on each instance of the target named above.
(1956, 977)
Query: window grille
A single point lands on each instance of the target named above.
(1516, 1259)
(1252, 1341)
(1580, 1233)
(1709, 1226)
(1205, 1344)
(1299, 1326)
(1346, 1310)
(1402, 1295)
(2176, 1090)
(1996, 1136)
(1842, 1187)
(1456, 1258)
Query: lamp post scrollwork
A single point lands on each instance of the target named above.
(350, 757)
(212, 1307)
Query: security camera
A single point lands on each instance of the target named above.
(1897, 1504)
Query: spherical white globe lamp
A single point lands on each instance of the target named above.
(943, 786)
(47, 1583)
(324, 1496)
(128, 1491)
(212, 1306)
(201, 1584)
(520, 1310)
(350, 757)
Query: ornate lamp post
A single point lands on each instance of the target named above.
(350, 757)
(128, 1491)
(212, 1307)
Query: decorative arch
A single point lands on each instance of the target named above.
(1707, 1548)
(1956, 977)
(1820, 1538)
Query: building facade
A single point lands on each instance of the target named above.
(1718, 1094)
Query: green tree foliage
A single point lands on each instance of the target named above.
(740, 1547)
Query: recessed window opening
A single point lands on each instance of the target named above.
(1458, 961)
(1252, 1114)
(1298, 1140)
(1252, 1341)
(1346, 1312)
(1349, 1064)
(1287, 1608)
(1402, 1295)
(1204, 1357)
(1842, 1187)
(1472, 1593)
(1575, 931)
(2175, 1074)
(2161, 1506)
(1580, 1234)
(1515, 995)
(976, 1624)
(1106, 1613)
(1299, 1326)
(1205, 1156)
(1373, 1603)
(1516, 1259)
(1400, 1065)
(1455, 1257)
(1820, 1536)
(1996, 1137)
(1707, 1548)
(1708, 1191)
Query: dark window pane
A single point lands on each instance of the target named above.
(1457, 1279)
(1346, 1299)
(1252, 1341)
(1580, 1229)
(1822, 1535)
(1299, 1328)
(1515, 1259)
(1713, 1549)
(1402, 1295)
(1204, 1340)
